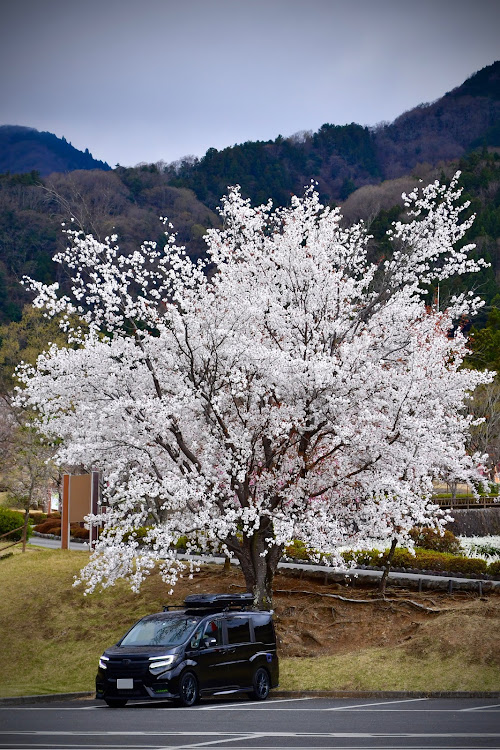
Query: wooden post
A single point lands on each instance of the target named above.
(65, 514)
(94, 508)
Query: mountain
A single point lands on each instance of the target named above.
(341, 158)
(25, 150)
(365, 169)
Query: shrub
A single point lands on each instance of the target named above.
(439, 561)
(371, 557)
(9, 520)
(427, 538)
(422, 560)
(138, 534)
(181, 543)
(77, 532)
(48, 526)
(494, 568)
(36, 516)
(297, 550)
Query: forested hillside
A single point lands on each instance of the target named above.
(343, 158)
(26, 149)
(127, 202)
(364, 169)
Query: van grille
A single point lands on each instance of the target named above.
(127, 667)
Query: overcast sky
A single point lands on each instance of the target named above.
(144, 80)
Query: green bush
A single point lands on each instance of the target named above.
(440, 561)
(138, 534)
(494, 568)
(10, 520)
(297, 550)
(181, 543)
(427, 538)
(371, 557)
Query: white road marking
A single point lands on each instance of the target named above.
(214, 742)
(481, 708)
(232, 706)
(245, 735)
(243, 707)
(238, 747)
(379, 703)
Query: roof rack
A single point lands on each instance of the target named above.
(218, 602)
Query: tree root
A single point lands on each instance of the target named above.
(386, 600)
(409, 602)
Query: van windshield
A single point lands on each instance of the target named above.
(160, 631)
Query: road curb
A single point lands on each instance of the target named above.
(349, 694)
(361, 694)
(49, 698)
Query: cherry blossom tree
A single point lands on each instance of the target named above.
(299, 391)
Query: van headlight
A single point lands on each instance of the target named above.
(160, 664)
(103, 662)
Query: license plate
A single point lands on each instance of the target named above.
(125, 683)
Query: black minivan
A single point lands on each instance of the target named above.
(213, 645)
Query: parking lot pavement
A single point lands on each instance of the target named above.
(415, 723)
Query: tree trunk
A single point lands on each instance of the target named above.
(453, 487)
(25, 528)
(259, 569)
(387, 567)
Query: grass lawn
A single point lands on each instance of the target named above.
(52, 636)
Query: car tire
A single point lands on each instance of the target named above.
(261, 684)
(116, 702)
(189, 693)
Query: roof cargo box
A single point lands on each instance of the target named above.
(218, 601)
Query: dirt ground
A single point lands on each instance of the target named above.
(314, 619)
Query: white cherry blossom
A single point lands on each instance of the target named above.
(299, 391)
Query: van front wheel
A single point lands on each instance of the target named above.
(188, 690)
(261, 685)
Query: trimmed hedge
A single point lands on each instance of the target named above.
(49, 526)
(422, 560)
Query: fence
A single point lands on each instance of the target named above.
(22, 541)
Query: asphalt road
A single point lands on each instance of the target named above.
(245, 725)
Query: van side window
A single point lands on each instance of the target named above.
(263, 628)
(238, 630)
(213, 629)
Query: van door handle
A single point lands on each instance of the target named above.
(229, 650)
